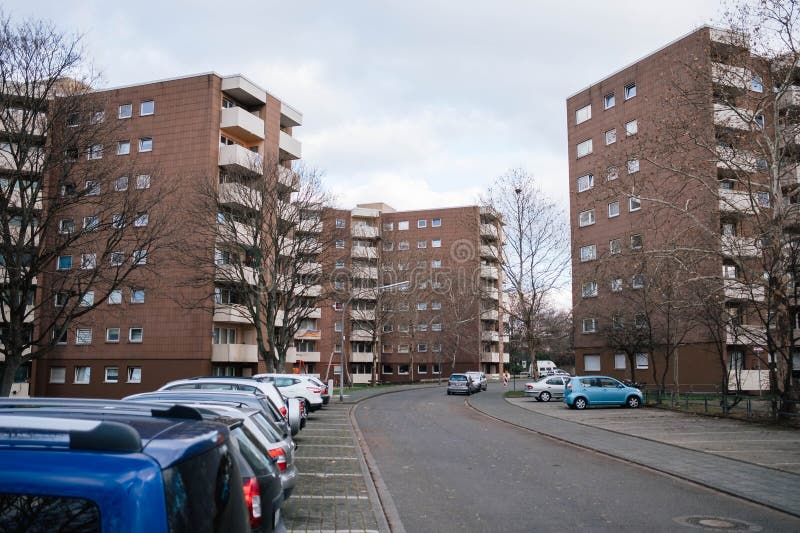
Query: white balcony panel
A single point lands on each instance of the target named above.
(746, 334)
(290, 117)
(364, 232)
(310, 226)
(312, 291)
(736, 118)
(490, 251)
(489, 230)
(733, 246)
(309, 268)
(236, 232)
(306, 357)
(361, 357)
(790, 98)
(490, 336)
(730, 76)
(288, 178)
(364, 294)
(492, 314)
(315, 313)
(33, 163)
(362, 314)
(364, 252)
(361, 378)
(234, 353)
(489, 272)
(729, 37)
(20, 390)
(490, 213)
(244, 90)
(492, 293)
(240, 159)
(239, 195)
(290, 148)
(15, 199)
(364, 272)
(287, 211)
(740, 161)
(242, 124)
(735, 202)
(360, 335)
(749, 380)
(365, 212)
(490, 357)
(231, 313)
(235, 274)
(736, 290)
(790, 175)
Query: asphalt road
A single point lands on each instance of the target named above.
(449, 468)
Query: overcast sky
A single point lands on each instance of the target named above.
(414, 103)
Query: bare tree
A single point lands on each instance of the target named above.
(74, 226)
(535, 252)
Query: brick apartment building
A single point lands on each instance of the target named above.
(621, 183)
(188, 130)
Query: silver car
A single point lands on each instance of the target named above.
(479, 378)
(546, 388)
(459, 384)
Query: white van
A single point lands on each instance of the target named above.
(544, 366)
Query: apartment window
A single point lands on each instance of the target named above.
(436, 326)
(616, 285)
(611, 136)
(340, 223)
(640, 320)
(403, 348)
(609, 100)
(339, 263)
(147, 107)
(642, 361)
(436, 347)
(121, 184)
(436, 263)
(139, 257)
(422, 244)
(92, 188)
(111, 374)
(422, 347)
(64, 262)
(589, 325)
(112, 335)
(145, 144)
(591, 363)
(402, 369)
(586, 218)
(402, 245)
(584, 148)
(633, 166)
(115, 297)
(137, 296)
(58, 374)
(125, 111)
(728, 229)
(87, 299)
(340, 244)
(95, 151)
(636, 242)
(615, 246)
(759, 120)
(637, 281)
(83, 336)
(631, 128)
(588, 253)
(402, 225)
(617, 322)
(583, 114)
(436, 305)
(589, 289)
(613, 209)
(91, 223)
(82, 375)
(436, 243)
(134, 374)
(117, 221)
(143, 181)
(422, 326)
(88, 261)
(386, 369)
(729, 271)
(141, 220)
(436, 222)
(630, 91)
(66, 225)
(402, 328)
(123, 147)
(762, 199)
(620, 361)
(136, 334)
(422, 306)
(422, 223)
(612, 174)
(756, 84)
(634, 203)
(338, 285)
(61, 299)
(585, 182)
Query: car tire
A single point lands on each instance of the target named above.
(545, 396)
(633, 402)
(448, 393)
(537, 399)
(580, 403)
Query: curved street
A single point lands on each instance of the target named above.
(447, 466)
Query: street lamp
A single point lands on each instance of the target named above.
(344, 311)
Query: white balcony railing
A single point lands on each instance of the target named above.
(240, 159)
(489, 272)
(289, 147)
(364, 232)
(364, 252)
(234, 353)
(240, 195)
(242, 124)
(231, 313)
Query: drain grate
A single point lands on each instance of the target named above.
(716, 523)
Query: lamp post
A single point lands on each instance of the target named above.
(344, 312)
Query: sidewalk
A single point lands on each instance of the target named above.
(774, 486)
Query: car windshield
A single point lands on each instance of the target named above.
(458, 378)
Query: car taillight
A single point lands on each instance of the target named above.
(325, 390)
(315, 390)
(284, 411)
(280, 458)
(302, 407)
(529, 387)
(252, 495)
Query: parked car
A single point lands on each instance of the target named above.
(585, 391)
(459, 384)
(295, 386)
(97, 470)
(546, 388)
(479, 378)
(325, 394)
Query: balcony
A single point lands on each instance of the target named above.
(310, 225)
(287, 178)
(235, 274)
(736, 290)
(293, 356)
(790, 98)
(492, 293)
(287, 211)
(361, 335)
(15, 117)
(790, 176)
(364, 232)
(290, 117)
(365, 294)
(33, 163)
(490, 272)
(734, 118)
(309, 268)
(364, 272)
(314, 313)
(364, 252)
(362, 314)
(490, 213)
(746, 335)
(733, 246)
(749, 380)
(289, 147)
(735, 202)
(365, 212)
(730, 76)
(729, 37)
(489, 230)
(231, 314)
(489, 251)
(361, 357)
(490, 357)
(491, 314)
(243, 90)
(490, 336)
(308, 334)
(15, 199)
(237, 194)
(242, 124)
(236, 232)
(361, 378)
(237, 158)
(736, 160)
(234, 353)
(311, 291)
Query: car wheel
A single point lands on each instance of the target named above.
(448, 393)
(580, 403)
(545, 396)
(538, 399)
(633, 402)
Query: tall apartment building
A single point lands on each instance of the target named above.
(188, 130)
(628, 205)
(414, 295)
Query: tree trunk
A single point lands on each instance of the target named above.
(11, 366)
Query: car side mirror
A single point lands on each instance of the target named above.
(620, 386)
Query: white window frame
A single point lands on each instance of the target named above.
(637, 281)
(585, 182)
(109, 335)
(340, 223)
(436, 222)
(88, 261)
(589, 325)
(631, 128)
(612, 173)
(630, 91)
(141, 220)
(637, 241)
(79, 378)
(134, 298)
(131, 336)
(107, 375)
(588, 253)
(589, 289)
(134, 374)
(83, 336)
(586, 218)
(139, 257)
(634, 203)
(94, 152)
(613, 209)
(87, 299)
(620, 361)
(422, 244)
(151, 111)
(436, 243)
(632, 165)
(143, 181)
(610, 136)
(616, 285)
(115, 297)
(121, 183)
(642, 361)
(591, 363)
(125, 111)
(402, 225)
(58, 374)
(609, 100)
(583, 114)
(145, 144)
(583, 148)
(124, 147)
(422, 223)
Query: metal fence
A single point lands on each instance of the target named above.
(761, 408)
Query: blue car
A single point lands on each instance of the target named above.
(584, 391)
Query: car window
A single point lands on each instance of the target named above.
(588, 382)
(217, 386)
(25, 512)
(248, 388)
(284, 382)
(254, 457)
(268, 429)
(609, 383)
(458, 378)
(189, 386)
(554, 382)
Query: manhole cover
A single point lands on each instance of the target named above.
(716, 523)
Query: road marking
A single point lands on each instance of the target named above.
(334, 497)
(327, 458)
(328, 446)
(327, 474)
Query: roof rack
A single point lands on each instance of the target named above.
(79, 434)
(175, 411)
